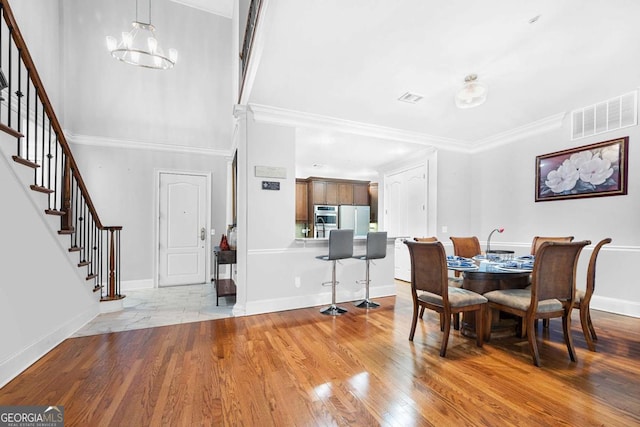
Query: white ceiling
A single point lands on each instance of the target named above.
(353, 60)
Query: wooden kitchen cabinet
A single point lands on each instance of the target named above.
(323, 192)
(373, 201)
(345, 193)
(361, 194)
(302, 201)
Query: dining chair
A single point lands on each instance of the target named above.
(538, 240)
(430, 289)
(551, 294)
(340, 247)
(425, 239)
(453, 281)
(583, 297)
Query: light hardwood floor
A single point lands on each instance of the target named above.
(300, 368)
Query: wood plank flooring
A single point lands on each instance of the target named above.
(300, 368)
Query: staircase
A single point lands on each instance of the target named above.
(27, 117)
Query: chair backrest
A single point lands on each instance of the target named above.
(554, 271)
(591, 271)
(429, 268)
(537, 241)
(340, 244)
(467, 247)
(376, 244)
(425, 239)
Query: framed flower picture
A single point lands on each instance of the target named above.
(589, 171)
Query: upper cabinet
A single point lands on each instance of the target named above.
(323, 192)
(329, 191)
(302, 201)
(373, 201)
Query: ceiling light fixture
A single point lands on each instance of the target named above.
(140, 46)
(472, 93)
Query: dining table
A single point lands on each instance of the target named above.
(482, 274)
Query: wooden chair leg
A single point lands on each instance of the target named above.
(584, 322)
(487, 323)
(456, 321)
(566, 329)
(414, 322)
(545, 323)
(421, 312)
(445, 334)
(591, 328)
(480, 326)
(531, 337)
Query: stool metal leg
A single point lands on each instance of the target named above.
(366, 302)
(333, 309)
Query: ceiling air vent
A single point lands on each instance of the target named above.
(411, 98)
(616, 113)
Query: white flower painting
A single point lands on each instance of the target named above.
(593, 170)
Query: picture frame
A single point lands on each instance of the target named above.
(593, 170)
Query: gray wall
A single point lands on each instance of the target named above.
(122, 185)
(190, 104)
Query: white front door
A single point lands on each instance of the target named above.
(182, 229)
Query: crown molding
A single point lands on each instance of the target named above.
(220, 8)
(534, 128)
(98, 141)
(281, 116)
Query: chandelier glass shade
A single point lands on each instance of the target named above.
(140, 47)
(472, 93)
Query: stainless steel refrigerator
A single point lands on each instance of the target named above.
(355, 218)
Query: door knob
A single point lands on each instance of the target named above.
(202, 233)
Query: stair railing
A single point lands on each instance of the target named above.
(27, 114)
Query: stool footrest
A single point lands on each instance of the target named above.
(329, 283)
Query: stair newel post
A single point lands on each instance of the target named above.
(113, 261)
(67, 218)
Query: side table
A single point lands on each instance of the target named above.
(224, 287)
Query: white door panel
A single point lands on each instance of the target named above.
(182, 242)
(406, 213)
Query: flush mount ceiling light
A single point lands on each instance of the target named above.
(472, 93)
(140, 46)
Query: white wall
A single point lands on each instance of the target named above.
(43, 298)
(121, 184)
(190, 104)
(40, 23)
(503, 184)
(274, 260)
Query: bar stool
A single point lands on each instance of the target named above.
(340, 247)
(376, 249)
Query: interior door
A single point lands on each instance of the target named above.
(182, 229)
(406, 214)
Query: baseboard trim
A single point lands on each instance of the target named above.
(306, 301)
(616, 306)
(130, 285)
(17, 363)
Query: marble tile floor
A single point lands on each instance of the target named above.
(148, 308)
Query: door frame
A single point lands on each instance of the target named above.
(156, 220)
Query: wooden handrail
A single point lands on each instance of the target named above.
(42, 93)
(71, 201)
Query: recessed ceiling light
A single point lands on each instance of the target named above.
(318, 165)
(534, 19)
(411, 98)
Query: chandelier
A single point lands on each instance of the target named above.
(472, 93)
(140, 46)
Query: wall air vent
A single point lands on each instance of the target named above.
(615, 113)
(411, 98)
